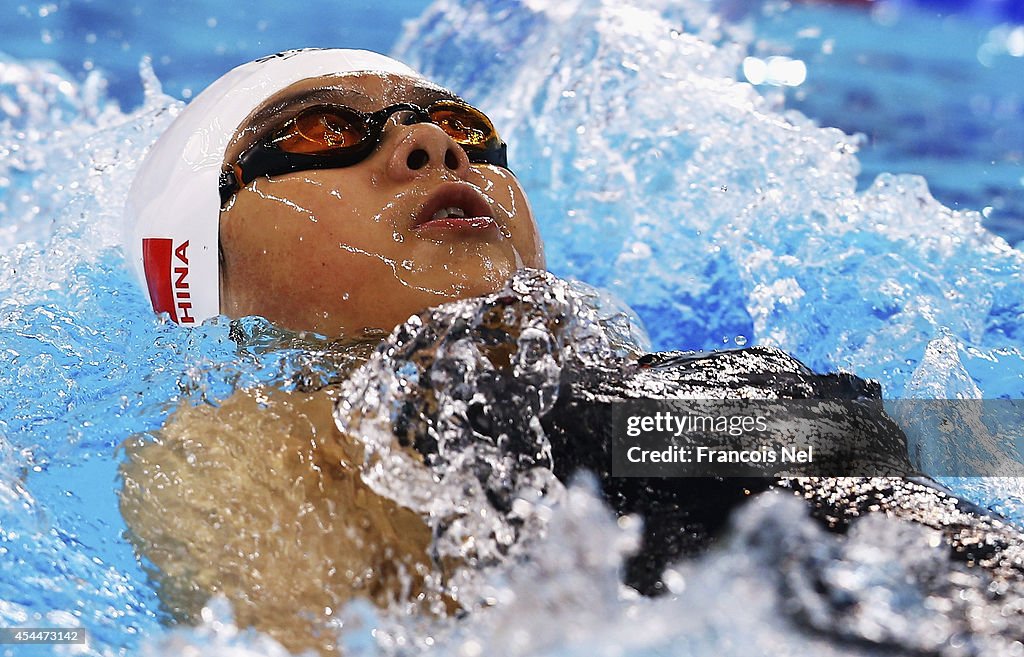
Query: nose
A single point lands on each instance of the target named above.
(422, 149)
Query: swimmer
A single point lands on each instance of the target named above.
(333, 191)
(340, 192)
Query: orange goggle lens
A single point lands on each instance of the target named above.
(330, 128)
(466, 125)
(322, 130)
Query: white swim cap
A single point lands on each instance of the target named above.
(172, 215)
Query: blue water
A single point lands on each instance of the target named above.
(720, 218)
(191, 44)
(953, 114)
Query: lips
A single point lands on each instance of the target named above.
(454, 206)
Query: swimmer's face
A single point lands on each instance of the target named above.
(338, 251)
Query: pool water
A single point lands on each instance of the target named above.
(951, 114)
(719, 215)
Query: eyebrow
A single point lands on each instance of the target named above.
(424, 94)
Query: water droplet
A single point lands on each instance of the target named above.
(741, 340)
(674, 580)
(398, 237)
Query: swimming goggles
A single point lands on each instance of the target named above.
(336, 136)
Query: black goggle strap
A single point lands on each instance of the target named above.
(228, 186)
(497, 155)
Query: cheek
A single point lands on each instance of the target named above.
(317, 215)
(525, 237)
(275, 238)
(309, 240)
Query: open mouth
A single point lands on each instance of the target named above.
(455, 206)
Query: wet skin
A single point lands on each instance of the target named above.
(338, 251)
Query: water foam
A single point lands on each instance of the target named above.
(724, 215)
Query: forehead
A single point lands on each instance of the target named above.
(373, 88)
(362, 91)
